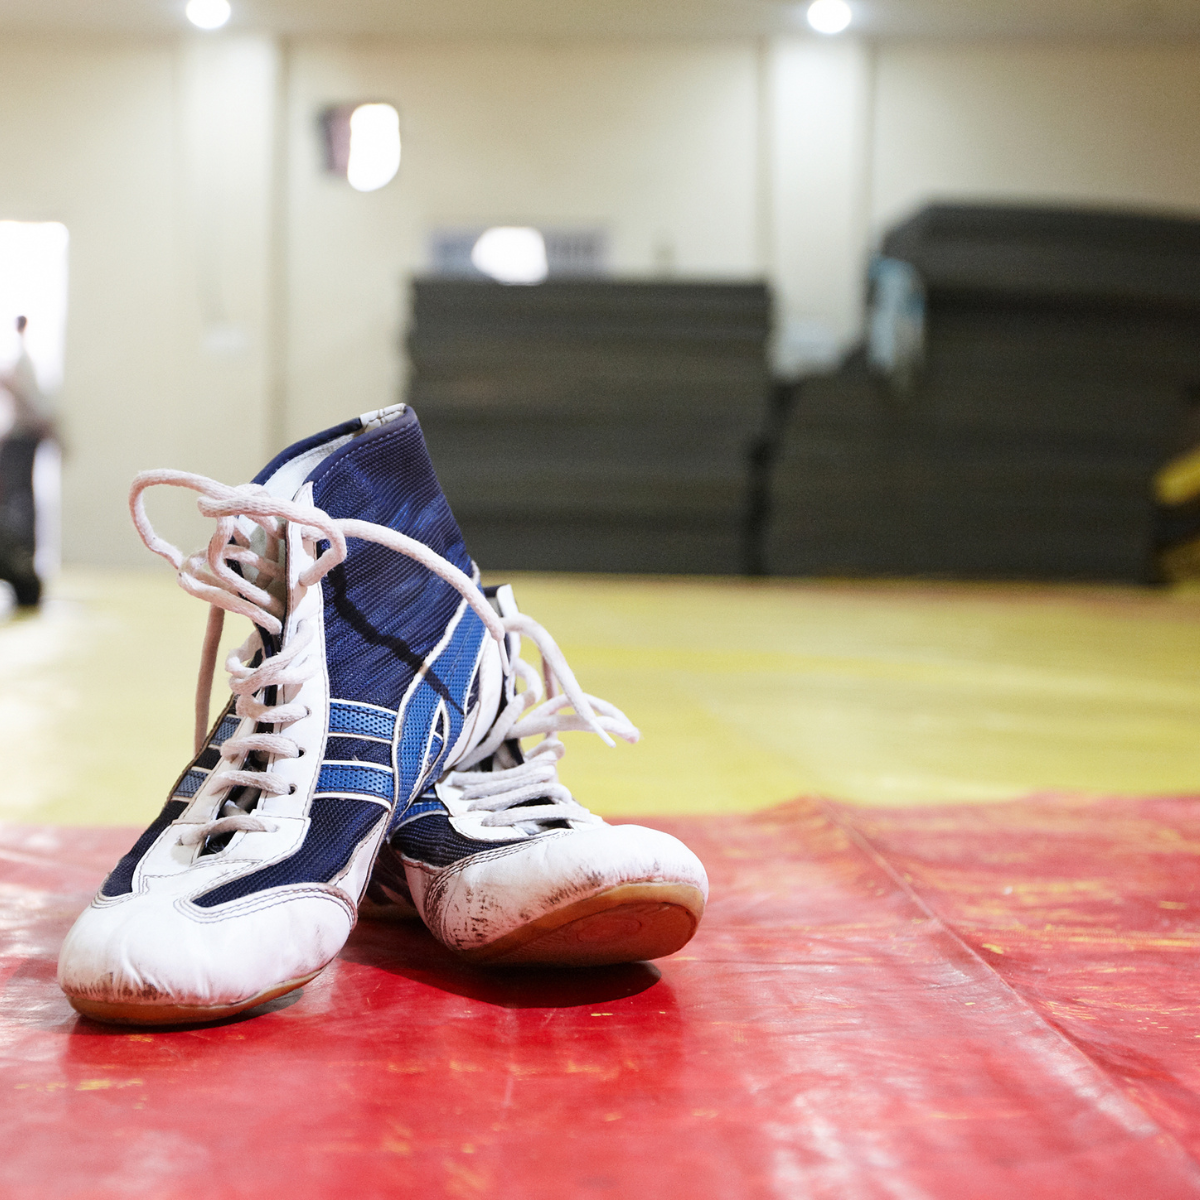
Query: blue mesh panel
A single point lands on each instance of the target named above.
(432, 839)
(191, 783)
(383, 612)
(369, 722)
(338, 826)
(349, 749)
(121, 880)
(346, 777)
(225, 730)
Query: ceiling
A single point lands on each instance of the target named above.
(1109, 19)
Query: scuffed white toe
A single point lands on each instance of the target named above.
(484, 899)
(150, 955)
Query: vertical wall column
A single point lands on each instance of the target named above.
(817, 138)
(228, 96)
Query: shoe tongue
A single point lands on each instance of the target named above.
(278, 587)
(385, 476)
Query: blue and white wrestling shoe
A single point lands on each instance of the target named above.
(374, 654)
(505, 866)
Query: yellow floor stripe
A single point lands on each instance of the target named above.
(746, 692)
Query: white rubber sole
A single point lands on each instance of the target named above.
(628, 923)
(130, 1012)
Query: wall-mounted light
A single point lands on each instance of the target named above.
(518, 253)
(208, 14)
(362, 144)
(829, 16)
(511, 254)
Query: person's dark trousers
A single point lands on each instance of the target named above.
(17, 516)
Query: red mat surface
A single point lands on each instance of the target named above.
(977, 1002)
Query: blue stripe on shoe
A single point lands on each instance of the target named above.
(340, 778)
(358, 749)
(191, 783)
(420, 756)
(421, 808)
(361, 720)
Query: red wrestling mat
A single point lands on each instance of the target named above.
(961, 1003)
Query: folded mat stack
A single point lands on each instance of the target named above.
(1054, 371)
(587, 425)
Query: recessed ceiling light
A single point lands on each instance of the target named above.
(829, 16)
(208, 14)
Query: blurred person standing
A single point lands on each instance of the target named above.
(32, 424)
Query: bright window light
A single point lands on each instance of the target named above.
(33, 284)
(511, 254)
(374, 146)
(208, 14)
(829, 16)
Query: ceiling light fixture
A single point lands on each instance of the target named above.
(829, 16)
(208, 14)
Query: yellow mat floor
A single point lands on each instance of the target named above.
(747, 693)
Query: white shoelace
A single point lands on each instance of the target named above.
(505, 791)
(209, 575)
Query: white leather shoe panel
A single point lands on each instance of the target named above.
(353, 880)
(167, 953)
(151, 946)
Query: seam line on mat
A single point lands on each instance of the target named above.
(864, 844)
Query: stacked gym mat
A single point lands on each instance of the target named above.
(588, 425)
(1061, 357)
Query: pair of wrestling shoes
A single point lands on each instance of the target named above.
(371, 752)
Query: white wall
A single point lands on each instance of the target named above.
(1100, 124)
(817, 116)
(149, 153)
(220, 304)
(86, 138)
(657, 144)
(863, 137)
(226, 94)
